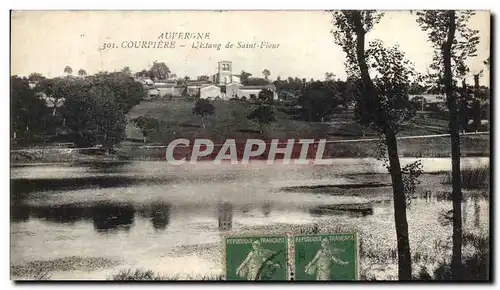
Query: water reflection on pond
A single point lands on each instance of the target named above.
(112, 216)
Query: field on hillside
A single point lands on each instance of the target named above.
(230, 121)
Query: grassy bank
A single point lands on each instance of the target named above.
(230, 121)
(477, 178)
(438, 147)
(149, 275)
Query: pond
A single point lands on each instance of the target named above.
(89, 220)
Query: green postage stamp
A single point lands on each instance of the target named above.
(256, 258)
(326, 257)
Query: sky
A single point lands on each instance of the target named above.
(47, 41)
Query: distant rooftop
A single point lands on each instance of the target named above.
(429, 98)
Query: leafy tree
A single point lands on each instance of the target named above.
(266, 73)
(244, 76)
(315, 104)
(453, 42)
(68, 70)
(82, 72)
(416, 88)
(159, 71)
(127, 93)
(27, 108)
(382, 104)
(419, 103)
(204, 78)
(256, 82)
(263, 115)
(266, 95)
(142, 73)
(147, 125)
(329, 76)
(93, 115)
(126, 71)
(35, 77)
(55, 91)
(320, 99)
(204, 109)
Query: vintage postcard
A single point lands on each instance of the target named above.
(172, 145)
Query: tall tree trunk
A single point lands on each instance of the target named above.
(204, 121)
(55, 108)
(456, 261)
(404, 254)
(463, 111)
(477, 104)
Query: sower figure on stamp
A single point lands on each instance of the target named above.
(256, 259)
(322, 263)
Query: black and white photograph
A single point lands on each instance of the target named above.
(141, 139)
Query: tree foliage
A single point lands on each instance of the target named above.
(393, 73)
(390, 107)
(204, 109)
(256, 82)
(146, 124)
(27, 108)
(329, 76)
(54, 90)
(126, 71)
(320, 99)
(93, 115)
(82, 72)
(266, 95)
(126, 91)
(159, 71)
(463, 45)
(266, 73)
(244, 76)
(35, 77)
(263, 115)
(68, 70)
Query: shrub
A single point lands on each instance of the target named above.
(149, 275)
(473, 178)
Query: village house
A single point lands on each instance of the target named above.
(431, 99)
(223, 85)
(226, 85)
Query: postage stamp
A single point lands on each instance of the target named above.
(256, 258)
(326, 257)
